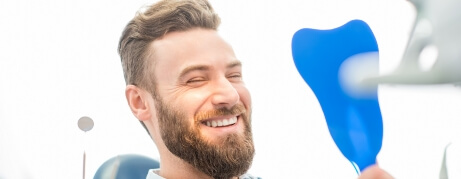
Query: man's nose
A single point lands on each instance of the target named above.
(224, 94)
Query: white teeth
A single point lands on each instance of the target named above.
(233, 120)
(223, 122)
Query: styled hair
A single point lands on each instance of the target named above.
(157, 20)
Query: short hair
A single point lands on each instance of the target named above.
(157, 20)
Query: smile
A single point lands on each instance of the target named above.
(221, 122)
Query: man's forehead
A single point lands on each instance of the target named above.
(194, 40)
(178, 53)
(191, 44)
(190, 34)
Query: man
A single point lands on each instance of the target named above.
(185, 85)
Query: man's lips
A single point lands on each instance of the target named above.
(223, 122)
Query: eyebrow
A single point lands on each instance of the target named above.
(193, 68)
(234, 64)
(189, 69)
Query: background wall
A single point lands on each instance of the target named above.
(58, 62)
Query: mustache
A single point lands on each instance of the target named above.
(235, 110)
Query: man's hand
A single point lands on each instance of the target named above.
(374, 172)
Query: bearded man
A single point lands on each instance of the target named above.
(184, 83)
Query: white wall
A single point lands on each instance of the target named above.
(58, 62)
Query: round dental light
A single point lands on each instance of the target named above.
(85, 123)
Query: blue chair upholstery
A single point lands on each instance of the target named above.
(128, 166)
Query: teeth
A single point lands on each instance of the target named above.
(233, 120)
(222, 122)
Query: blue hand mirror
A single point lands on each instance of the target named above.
(353, 116)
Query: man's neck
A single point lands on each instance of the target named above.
(173, 167)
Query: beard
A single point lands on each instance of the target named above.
(230, 157)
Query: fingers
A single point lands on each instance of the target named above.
(374, 172)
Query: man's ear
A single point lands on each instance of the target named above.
(139, 101)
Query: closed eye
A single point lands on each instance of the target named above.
(235, 76)
(195, 80)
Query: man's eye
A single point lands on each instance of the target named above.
(235, 76)
(195, 80)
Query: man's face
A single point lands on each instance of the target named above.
(202, 103)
